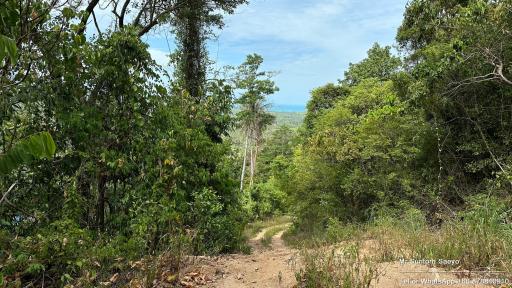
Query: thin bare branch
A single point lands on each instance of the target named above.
(4, 197)
(123, 13)
(88, 12)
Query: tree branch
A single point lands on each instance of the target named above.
(123, 13)
(154, 17)
(153, 23)
(96, 24)
(499, 73)
(4, 197)
(88, 12)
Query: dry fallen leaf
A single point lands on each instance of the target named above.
(187, 284)
(171, 278)
(114, 277)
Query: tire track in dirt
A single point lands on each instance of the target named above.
(275, 266)
(264, 267)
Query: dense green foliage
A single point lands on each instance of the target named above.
(322, 98)
(134, 162)
(429, 132)
(32, 148)
(139, 166)
(366, 149)
(380, 64)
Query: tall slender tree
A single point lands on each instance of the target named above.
(254, 116)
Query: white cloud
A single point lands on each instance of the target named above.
(310, 41)
(161, 57)
(285, 20)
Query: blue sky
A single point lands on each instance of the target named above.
(310, 42)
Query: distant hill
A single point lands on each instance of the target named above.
(290, 119)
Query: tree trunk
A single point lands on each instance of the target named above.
(245, 162)
(256, 151)
(84, 188)
(252, 167)
(102, 186)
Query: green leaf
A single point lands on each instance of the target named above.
(37, 146)
(68, 13)
(8, 48)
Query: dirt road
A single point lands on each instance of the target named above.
(275, 267)
(265, 267)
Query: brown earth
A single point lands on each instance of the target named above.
(264, 267)
(275, 266)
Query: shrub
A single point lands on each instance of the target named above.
(479, 236)
(344, 267)
(218, 228)
(61, 246)
(266, 200)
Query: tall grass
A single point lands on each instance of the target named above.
(334, 232)
(254, 228)
(267, 237)
(340, 268)
(479, 237)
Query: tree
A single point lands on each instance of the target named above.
(379, 63)
(192, 24)
(36, 146)
(459, 54)
(253, 116)
(322, 99)
(137, 166)
(365, 150)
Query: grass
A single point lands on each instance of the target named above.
(475, 246)
(254, 228)
(266, 241)
(335, 232)
(337, 267)
(480, 238)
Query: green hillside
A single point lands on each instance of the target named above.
(291, 119)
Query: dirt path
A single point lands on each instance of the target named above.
(274, 266)
(264, 267)
(397, 275)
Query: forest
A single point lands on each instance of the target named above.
(115, 172)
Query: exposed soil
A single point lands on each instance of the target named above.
(275, 266)
(264, 267)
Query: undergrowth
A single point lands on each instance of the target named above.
(252, 229)
(479, 238)
(337, 267)
(267, 237)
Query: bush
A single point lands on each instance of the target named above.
(218, 228)
(266, 200)
(61, 246)
(479, 236)
(337, 231)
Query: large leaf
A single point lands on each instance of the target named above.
(8, 48)
(34, 147)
